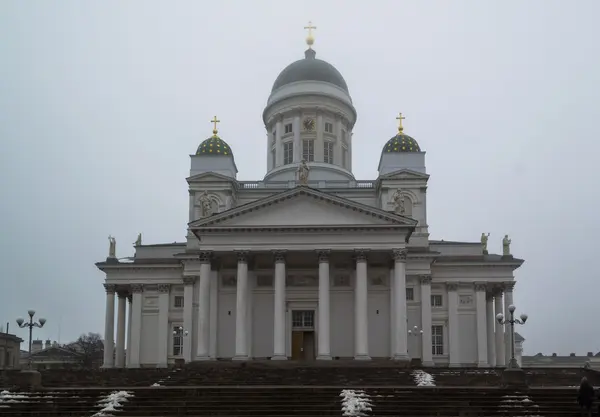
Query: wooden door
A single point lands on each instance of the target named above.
(297, 345)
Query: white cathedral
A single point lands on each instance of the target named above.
(308, 263)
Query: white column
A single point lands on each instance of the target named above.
(361, 319)
(319, 143)
(400, 332)
(129, 316)
(508, 300)
(241, 335)
(278, 145)
(500, 355)
(480, 305)
(490, 319)
(214, 314)
(203, 352)
(324, 347)
(297, 142)
(188, 316)
(392, 313)
(164, 331)
(121, 313)
(338, 154)
(109, 326)
(136, 325)
(453, 330)
(426, 342)
(279, 307)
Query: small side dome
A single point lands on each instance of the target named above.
(401, 143)
(214, 146)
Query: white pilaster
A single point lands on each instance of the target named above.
(109, 327)
(188, 316)
(453, 330)
(279, 308)
(324, 348)
(164, 331)
(500, 354)
(361, 319)
(480, 305)
(278, 144)
(337, 147)
(490, 320)
(136, 325)
(129, 316)
(426, 339)
(241, 335)
(400, 332)
(203, 351)
(508, 300)
(319, 143)
(297, 142)
(121, 313)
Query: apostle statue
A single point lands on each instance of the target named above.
(303, 171)
(506, 246)
(138, 241)
(207, 204)
(484, 242)
(398, 200)
(112, 248)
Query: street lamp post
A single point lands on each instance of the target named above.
(512, 364)
(31, 324)
(180, 331)
(415, 331)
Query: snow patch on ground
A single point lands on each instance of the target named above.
(7, 397)
(355, 402)
(521, 404)
(113, 402)
(423, 379)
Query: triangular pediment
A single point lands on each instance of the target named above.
(209, 177)
(404, 174)
(303, 206)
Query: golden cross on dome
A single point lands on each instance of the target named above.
(214, 121)
(400, 118)
(309, 38)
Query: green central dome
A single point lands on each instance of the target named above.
(401, 143)
(214, 146)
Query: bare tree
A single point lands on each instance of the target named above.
(91, 349)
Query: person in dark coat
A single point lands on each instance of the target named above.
(585, 397)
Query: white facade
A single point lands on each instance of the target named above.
(324, 268)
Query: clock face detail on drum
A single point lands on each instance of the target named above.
(309, 124)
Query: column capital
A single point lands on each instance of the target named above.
(164, 288)
(110, 288)
(452, 286)
(360, 255)
(130, 298)
(279, 256)
(122, 293)
(242, 256)
(399, 255)
(425, 279)
(189, 280)
(497, 290)
(509, 286)
(480, 286)
(205, 256)
(323, 255)
(137, 288)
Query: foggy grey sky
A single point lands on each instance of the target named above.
(101, 104)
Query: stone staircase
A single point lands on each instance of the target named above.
(333, 373)
(299, 402)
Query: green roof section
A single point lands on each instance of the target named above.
(214, 146)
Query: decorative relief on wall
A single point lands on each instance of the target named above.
(378, 280)
(465, 300)
(151, 301)
(301, 281)
(341, 281)
(264, 281)
(228, 280)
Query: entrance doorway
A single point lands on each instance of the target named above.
(303, 335)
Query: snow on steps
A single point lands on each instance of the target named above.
(355, 403)
(520, 404)
(112, 403)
